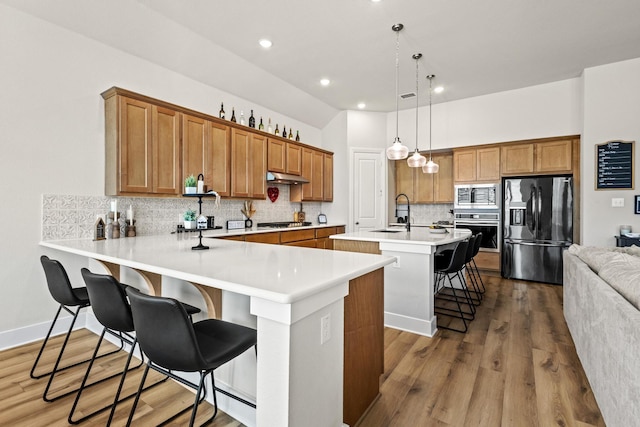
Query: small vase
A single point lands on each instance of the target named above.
(190, 190)
(248, 223)
(189, 225)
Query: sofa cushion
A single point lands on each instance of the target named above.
(619, 267)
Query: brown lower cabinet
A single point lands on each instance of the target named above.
(308, 237)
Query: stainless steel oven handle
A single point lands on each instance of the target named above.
(478, 223)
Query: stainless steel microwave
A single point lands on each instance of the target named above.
(476, 196)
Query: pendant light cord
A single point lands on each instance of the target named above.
(397, 68)
(417, 95)
(430, 80)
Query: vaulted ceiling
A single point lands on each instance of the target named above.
(473, 47)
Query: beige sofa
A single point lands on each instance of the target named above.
(605, 326)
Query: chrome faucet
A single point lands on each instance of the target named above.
(408, 209)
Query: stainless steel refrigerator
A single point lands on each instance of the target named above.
(537, 227)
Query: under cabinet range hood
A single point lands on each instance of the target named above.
(285, 178)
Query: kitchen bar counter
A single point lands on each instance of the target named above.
(408, 290)
(292, 291)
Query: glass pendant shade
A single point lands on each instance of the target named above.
(430, 167)
(397, 151)
(417, 160)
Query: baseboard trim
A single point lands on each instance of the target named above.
(28, 334)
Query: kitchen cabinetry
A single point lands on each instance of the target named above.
(313, 168)
(142, 147)
(276, 155)
(294, 159)
(152, 145)
(327, 176)
(423, 187)
(248, 164)
(220, 153)
(308, 237)
(537, 157)
(476, 165)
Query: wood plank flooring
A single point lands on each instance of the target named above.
(516, 366)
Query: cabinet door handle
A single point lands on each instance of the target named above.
(357, 223)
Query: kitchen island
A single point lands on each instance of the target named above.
(408, 290)
(297, 295)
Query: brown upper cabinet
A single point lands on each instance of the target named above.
(152, 145)
(317, 167)
(294, 159)
(538, 157)
(284, 157)
(276, 155)
(248, 164)
(476, 164)
(423, 187)
(142, 147)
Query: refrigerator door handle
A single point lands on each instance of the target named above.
(539, 234)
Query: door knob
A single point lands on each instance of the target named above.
(357, 223)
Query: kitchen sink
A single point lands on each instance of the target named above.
(385, 231)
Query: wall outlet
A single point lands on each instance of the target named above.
(617, 202)
(325, 328)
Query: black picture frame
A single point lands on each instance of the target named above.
(322, 219)
(636, 205)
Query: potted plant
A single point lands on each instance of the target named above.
(190, 185)
(190, 219)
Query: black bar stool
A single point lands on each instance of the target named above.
(447, 271)
(111, 308)
(172, 342)
(68, 298)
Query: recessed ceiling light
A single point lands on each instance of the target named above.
(265, 43)
(361, 105)
(438, 89)
(375, 1)
(325, 82)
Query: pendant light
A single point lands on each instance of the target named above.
(431, 166)
(397, 151)
(417, 160)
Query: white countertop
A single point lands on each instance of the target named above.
(282, 274)
(417, 236)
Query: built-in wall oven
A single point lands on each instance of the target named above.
(477, 208)
(486, 222)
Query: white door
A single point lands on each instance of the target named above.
(368, 200)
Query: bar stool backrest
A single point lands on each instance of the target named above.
(457, 258)
(165, 332)
(470, 249)
(478, 242)
(108, 301)
(58, 282)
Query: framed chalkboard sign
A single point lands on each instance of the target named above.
(614, 165)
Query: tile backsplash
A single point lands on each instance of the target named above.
(73, 217)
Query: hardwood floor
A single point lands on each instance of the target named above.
(516, 366)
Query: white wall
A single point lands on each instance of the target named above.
(611, 112)
(334, 137)
(552, 109)
(52, 140)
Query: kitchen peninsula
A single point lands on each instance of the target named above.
(408, 290)
(297, 295)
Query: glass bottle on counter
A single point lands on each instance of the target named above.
(252, 120)
(298, 135)
(233, 114)
(260, 126)
(277, 132)
(269, 128)
(221, 113)
(242, 121)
